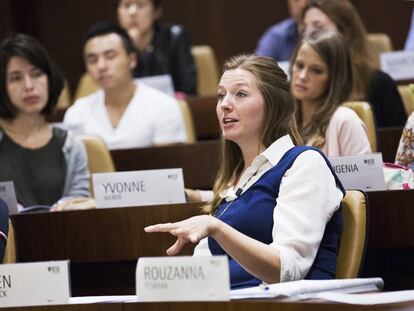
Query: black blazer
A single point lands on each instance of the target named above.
(384, 97)
(169, 53)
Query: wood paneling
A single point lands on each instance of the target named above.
(5, 18)
(199, 161)
(103, 245)
(388, 140)
(229, 26)
(390, 250)
(234, 305)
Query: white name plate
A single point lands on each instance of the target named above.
(183, 278)
(399, 65)
(8, 195)
(136, 188)
(34, 284)
(363, 172)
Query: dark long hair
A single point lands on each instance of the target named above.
(332, 49)
(30, 49)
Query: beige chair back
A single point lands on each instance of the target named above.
(64, 100)
(10, 254)
(407, 97)
(99, 157)
(207, 72)
(377, 44)
(364, 111)
(188, 121)
(354, 236)
(86, 86)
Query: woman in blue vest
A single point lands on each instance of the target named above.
(276, 207)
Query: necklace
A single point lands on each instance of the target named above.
(225, 210)
(239, 191)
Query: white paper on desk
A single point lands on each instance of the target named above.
(103, 299)
(308, 288)
(369, 299)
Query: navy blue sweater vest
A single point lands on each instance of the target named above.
(252, 214)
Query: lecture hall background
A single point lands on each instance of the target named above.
(229, 26)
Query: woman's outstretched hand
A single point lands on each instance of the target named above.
(190, 230)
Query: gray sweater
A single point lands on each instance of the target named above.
(77, 173)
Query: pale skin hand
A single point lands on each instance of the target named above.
(193, 195)
(190, 230)
(135, 35)
(257, 258)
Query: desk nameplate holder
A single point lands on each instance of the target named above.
(398, 64)
(137, 188)
(363, 172)
(183, 278)
(34, 284)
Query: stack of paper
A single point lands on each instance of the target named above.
(309, 288)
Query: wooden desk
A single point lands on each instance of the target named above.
(239, 305)
(388, 140)
(390, 251)
(103, 245)
(203, 110)
(199, 161)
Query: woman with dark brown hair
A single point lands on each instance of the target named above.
(46, 163)
(268, 215)
(321, 81)
(370, 84)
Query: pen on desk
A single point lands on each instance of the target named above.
(264, 286)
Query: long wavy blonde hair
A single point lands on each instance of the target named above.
(279, 117)
(332, 49)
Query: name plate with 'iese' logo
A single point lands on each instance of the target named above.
(138, 188)
(363, 172)
(34, 284)
(183, 278)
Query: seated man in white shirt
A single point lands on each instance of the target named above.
(125, 113)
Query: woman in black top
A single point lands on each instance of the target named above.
(162, 48)
(47, 164)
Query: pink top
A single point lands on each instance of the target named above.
(346, 135)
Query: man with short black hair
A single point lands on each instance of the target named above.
(124, 112)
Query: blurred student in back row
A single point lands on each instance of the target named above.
(162, 48)
(370, 84)
(125, 113)
(280, 40)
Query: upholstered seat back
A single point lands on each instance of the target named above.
(354, 235)
(188, 121)
(378, 43)
(99, 157)
(365, 113)
(207, 72)
(10, 254)
(407, 97)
